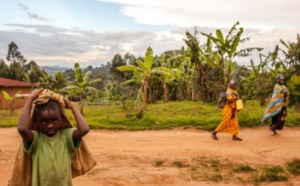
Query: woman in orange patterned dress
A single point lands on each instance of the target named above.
(229, 123)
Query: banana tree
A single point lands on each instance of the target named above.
(185, 74)
(143, 72)
(292, 53)
(227, 48)
(193, 53)
(81, 86)
(11, 99)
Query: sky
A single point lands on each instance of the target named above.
(92, 32)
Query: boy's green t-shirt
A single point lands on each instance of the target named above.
(51, 158)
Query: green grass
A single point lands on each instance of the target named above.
(273, 174)
(243, 168)
(294, 166)
(178, 164)
(158, 163)
(186, 114)
(216, 169)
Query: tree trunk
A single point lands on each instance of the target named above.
(145, 94)
(193, 87)
(150, 95)
(228, 73)
(166, 92)
(180, 93)
(81, 103)
(298, 106)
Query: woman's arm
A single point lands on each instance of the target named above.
(233, 98)
(82, 126)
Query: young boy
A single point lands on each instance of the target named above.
(48, 138)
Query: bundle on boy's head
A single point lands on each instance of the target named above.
(46, 96)
(50, 105)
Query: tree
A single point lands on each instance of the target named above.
(193, 53)
(116, 62)
(16, 72)
(227, 49)
(143, 72)
(34, 72)
(11, 99)
(14, 54)
(292, 54)
(46, 81)
(17, 68)
(4, 69)
(81, 86)
(59, 81)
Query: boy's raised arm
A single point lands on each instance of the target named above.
(82, 126)
(24, 120)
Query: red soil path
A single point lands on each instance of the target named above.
(127, 158)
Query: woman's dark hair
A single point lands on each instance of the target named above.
(50, 105)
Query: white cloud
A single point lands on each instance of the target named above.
(213, 13)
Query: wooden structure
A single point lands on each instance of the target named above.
(12, 87)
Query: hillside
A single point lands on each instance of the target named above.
(53, 69)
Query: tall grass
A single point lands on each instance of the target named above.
(161, 115)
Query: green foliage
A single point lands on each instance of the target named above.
(130, 107)
(292, 52)
(9, 119)
(81, 86)
(227, 49)
(11, 99)
(6, 96)
(294, 86)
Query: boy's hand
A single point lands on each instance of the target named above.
(34, 94)
(68, 103)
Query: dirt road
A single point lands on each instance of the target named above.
(129, 158)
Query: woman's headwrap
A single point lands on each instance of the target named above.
(231, 83)
(82, 161)
(279, 76)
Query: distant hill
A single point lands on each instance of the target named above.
(53, 69)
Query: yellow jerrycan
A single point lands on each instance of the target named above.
(239, 104)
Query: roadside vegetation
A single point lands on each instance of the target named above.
(185, 114)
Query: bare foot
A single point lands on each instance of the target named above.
(273, 130)
(214, 136)
(235, 138)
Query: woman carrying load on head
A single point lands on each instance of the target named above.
(276, 108)
(229, 123)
